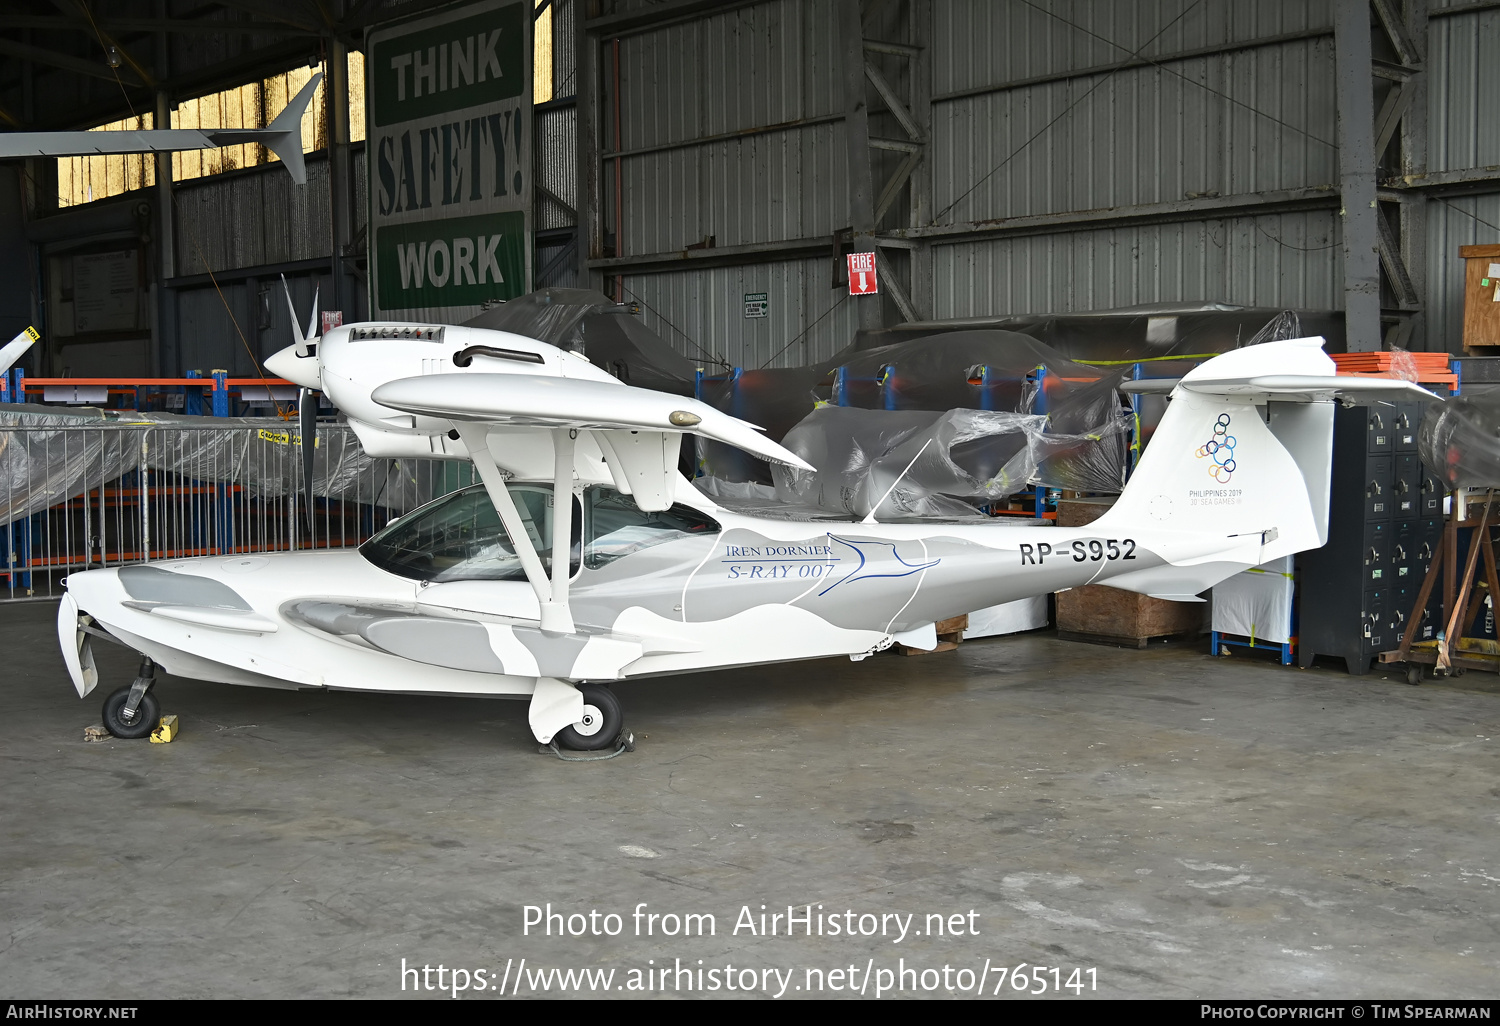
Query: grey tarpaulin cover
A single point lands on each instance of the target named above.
(49, 455)
(1154, 332)
(589, 322)
(1083, 445)
(1460, 440)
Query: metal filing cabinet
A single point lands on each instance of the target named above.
(1384, 526)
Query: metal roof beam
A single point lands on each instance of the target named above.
(277, 12)
(105, 40)
(660, 15)
(1174, 212)
(67, 62)
(53, 23)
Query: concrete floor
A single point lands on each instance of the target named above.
(1187, 827)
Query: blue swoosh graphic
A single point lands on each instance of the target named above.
(858, 574)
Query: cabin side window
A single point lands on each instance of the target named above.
(617, 527)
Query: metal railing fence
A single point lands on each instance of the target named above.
(81, 497)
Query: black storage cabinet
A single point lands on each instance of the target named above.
(1385, 522)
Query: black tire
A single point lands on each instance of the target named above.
(603, 719)
(1414, 673)
(147, 715)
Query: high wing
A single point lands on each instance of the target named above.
(606, 407)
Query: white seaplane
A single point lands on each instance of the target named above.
(585, 558)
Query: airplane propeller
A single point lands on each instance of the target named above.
(307, 407)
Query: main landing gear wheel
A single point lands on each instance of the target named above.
(601, 723)
(147, 715)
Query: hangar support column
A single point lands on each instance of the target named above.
(590, 231)
(897, 148)
(1356, 108)
(857, 139)
(164, 351)
(1379, 46)
(340, 187)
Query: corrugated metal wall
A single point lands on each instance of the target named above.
(702, 313)
(1254, 120)
(1285, 260)
(210, 338)
(1463, 82)
(1454, 222)
(750, 67)
(1143, 135)
(1021, 125)
(258, 216)
(731, 128)
(556, 175)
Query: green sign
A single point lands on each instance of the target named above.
(450, 67)
(461, 261)
(449, 152)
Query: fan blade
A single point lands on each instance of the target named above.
(307, 417)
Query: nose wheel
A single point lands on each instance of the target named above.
(132, 712)
(600, 726)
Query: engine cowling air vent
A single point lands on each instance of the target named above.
(412, 332)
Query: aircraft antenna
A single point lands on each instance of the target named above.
(870, 517)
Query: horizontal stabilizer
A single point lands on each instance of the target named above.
(536, 401)
(1309, 386)
(1306, 387)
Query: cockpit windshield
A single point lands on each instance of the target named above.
(459, 537)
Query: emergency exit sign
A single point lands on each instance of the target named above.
(862, 274)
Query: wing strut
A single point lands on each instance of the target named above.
(563, 444)
(553, 595)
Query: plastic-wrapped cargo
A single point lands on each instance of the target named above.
(1159, 332)
(1256, 603)
(1460, 440)
(908, 463)
(48, 456)
(1084, 444)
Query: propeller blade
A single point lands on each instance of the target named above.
(292, 309)
(312, 318)
(307, 418)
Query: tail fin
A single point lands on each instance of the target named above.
(283, 136)
(1238, 471)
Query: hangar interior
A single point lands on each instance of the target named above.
(1134, 187)
(1003, 159)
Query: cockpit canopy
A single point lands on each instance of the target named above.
(459, 537)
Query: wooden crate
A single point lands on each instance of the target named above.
(950, 632)
(1481, 301)
(1110, 616)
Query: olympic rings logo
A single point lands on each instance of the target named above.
(1220, 448)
